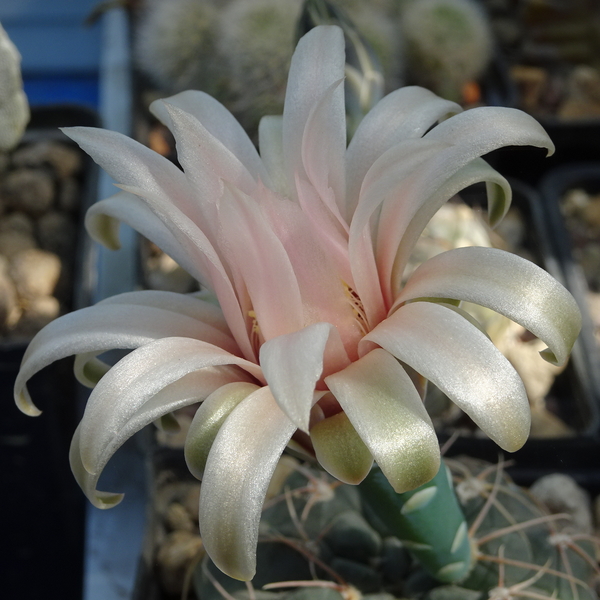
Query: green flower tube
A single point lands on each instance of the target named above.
(428, 521)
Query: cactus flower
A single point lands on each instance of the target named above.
(315, 341)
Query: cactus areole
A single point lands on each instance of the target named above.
(303, 245)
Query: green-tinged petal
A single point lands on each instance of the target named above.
(292, 365)
(506, 283)
(339, 449)
(460, 360)
(89, 369)
(207, 421)
(139, 385)
(387, 412)
(88, 482)
(239, 468)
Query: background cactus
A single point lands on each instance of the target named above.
(256, 40)
(448, 43)
(14, 108)
(175, 45)
(320, 540)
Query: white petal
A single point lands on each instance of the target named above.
(219, 122)
(406, 113)
(486, 128)
(205, 159)
(292, 365)
(317, 63)
(506, 283)
(142, 384)
(103, 327)
(239, 468)
(387, 412)
(401, 223)
(102, 222)
(132, 164)
(189, 389)
(460, 360)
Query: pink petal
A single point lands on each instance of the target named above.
(263, 263)
(317, 63)
(324, 149)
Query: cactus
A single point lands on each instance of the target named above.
(448, 43)
(175, 45)
(322, 540)
(256, 40)
(14, 109)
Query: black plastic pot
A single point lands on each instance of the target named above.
(575, 394)
(42, 507)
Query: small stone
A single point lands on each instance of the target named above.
(68, 197)
(174, 557)
(9, 302)
(36, 315)
(17, 221)
(57, 233)
(14, 242)
(191, 501)
(35, 272)
(177, 518)
(28, 190)
(531, 82)
(64, 160)
(561, 494)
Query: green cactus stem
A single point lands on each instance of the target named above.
(428, 521)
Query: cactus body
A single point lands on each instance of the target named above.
(448, 43)
(323, 540)
(14, 109)
(175, 45)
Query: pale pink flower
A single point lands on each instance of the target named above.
(304, 246)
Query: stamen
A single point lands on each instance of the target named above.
(254, 331)
(357, 307)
